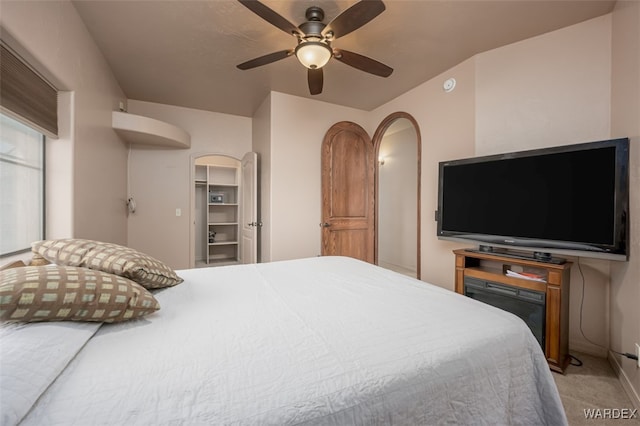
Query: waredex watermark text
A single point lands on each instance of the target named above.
(611, 413)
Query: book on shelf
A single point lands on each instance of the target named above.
(526, 275)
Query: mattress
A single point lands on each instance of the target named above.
(320, 341)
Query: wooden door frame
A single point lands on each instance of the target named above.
(377, 140)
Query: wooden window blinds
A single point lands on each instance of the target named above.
(25, 93)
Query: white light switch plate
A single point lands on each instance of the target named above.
(178, 212)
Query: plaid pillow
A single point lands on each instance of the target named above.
(107, 257)
(67, 293)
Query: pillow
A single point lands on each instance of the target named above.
(107, 257)
(59, 293)
(16, 264)
(37, 260)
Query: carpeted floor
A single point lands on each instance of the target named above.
(594, 385)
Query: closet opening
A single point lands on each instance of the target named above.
(224, 222)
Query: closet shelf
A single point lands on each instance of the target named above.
(137, 129)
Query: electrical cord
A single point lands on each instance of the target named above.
(578, 363)
(131, 203)
(626, 354)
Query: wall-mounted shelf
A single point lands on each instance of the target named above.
(137, 129)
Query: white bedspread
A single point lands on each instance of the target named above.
(330, 341)
(31, 357)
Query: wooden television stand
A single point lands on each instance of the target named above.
(491, 267)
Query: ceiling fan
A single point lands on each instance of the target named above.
(314, 40)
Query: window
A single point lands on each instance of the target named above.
(21, 186)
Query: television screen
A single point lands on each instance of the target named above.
(573, 197)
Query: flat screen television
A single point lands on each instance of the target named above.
(571, 199)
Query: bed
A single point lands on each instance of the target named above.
(318, 341)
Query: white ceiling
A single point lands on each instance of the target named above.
(185, 52)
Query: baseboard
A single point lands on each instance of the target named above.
(587, 348)
(398, 268)
(624, 380)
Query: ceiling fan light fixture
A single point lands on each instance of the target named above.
(313, 54)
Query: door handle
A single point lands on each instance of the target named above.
(254, 224)
(325, 225)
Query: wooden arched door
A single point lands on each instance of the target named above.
(348, 203)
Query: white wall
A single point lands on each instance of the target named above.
(546, 91)
(160, 179)
(86, 166)
(549, 90)
(262, 146)
(397, 200)
(298, 126)
(625, 122)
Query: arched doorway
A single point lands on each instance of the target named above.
(397, 147)
(224, 223)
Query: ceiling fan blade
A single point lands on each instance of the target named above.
(363, 63)
(271, 17)
(354, 17)
(316, 79)
(266, 59)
